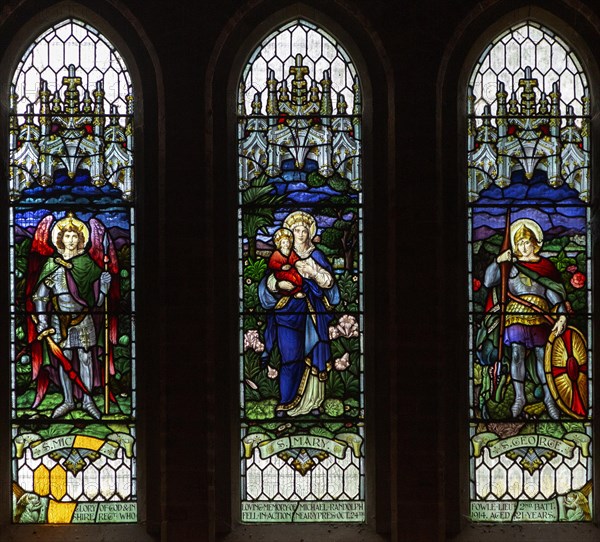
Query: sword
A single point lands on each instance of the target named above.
(64, 360)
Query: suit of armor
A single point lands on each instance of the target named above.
(526, 326)
(64, 305)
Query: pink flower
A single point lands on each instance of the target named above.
(341, 364)
(578, 280)
(347, 326)
(272, 372)
(252, 341)
(476, 284)
(572, 268)
(334, 332)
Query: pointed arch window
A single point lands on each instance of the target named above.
(72, 281)
(300, 267)
(529, 187)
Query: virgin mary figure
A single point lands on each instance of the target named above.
(299, 324)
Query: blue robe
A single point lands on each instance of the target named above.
(301, 331)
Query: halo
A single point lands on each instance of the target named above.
(70, 221)
(528, 223)
(283, 232)
(300, 217)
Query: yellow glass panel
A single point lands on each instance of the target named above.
(89, 443)
(41, 481)
(58, 482)
(61, 512)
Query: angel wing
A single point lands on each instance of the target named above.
(39, 253)
(102, 247)
(102, 251)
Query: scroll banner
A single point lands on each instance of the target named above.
(336, 447)
(565, 446)
(107, 447)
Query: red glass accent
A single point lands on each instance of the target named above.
(88, 129)
(124, 144)
(282, 118)
(572, 368)
(54, 128)
(545, 129)
(512, 129)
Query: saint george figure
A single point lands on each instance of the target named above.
(534, 293)
(282, 262)
(66, 297)
(299, 324)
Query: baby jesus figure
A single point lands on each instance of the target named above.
(281, 262)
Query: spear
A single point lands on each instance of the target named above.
(504, 271)
(106, 331)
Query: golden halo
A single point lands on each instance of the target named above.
(529, 224)
(283, 232)
(300, 217)
(70, 221)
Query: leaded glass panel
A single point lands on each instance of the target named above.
(530, 371)
(72, 288)
(301, 321)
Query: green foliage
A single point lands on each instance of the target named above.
(254, 270)
(562, 261)
(339, 184)
(333, 407)
(251, 300)
(340, 385)
(331, 239)
(320, 432)
(250, 322)
(315, 180)
(551, 429)
(351, 406)
(22, 255)
(348, 287)
(252, 366)
(268, 387)
(259, 201)
(254, 429)
(571, 427)
(334, 387)
(55, 430)
(334, 427)
(260, 410)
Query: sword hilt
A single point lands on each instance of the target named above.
(46, 333)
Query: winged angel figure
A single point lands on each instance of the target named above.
(72, 292)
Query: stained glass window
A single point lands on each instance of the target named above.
(72, 287)
(529, 184)
(301, 321)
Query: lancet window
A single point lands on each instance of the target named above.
(300, 181)
(530, 362)
(72, 281)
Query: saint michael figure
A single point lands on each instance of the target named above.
(71, 285)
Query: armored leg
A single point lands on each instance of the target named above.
(517, 373)
(548, 399)
(68, 403)
(85, 369)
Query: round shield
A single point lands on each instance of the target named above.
(566, 367)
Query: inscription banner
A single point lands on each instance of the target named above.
(286, 512)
